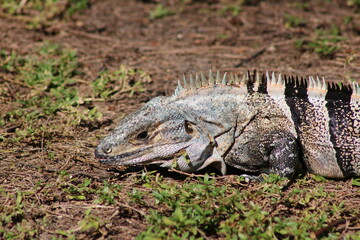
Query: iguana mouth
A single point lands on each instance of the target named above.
(117, 161)
(106, 158)
(126, 158)
(139, 157)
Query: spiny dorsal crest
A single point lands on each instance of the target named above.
(262, 83)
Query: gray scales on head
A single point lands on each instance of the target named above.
(260, 124)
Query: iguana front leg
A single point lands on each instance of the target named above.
(268, 153)
(284, 158)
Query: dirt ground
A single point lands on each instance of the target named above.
(199, 36)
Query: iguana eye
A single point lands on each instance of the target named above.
(108, 150)
(142, 136)
(188, 127)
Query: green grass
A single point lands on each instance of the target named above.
(124, 79)
(160, 11)
(325, 42)
(206, 207)
(294, 21)
(234, 10)
(46, 85)
(193, 209)
(42, 13)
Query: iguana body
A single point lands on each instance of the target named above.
(266, 125)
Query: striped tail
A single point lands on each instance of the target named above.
(326, 118)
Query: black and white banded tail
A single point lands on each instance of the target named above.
(326, 118)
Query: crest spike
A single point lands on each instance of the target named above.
(211, 78)
(273, 78)
(248, 77)
(204, 82)
(268, 79)
(192, 84)
(311, 82)
(176, 92)
(242, 80)
(179, 88)
(197, 81)
(304, 81)
(231, 79)
(317, 81)
(280, 80)
(324, 86)
(186, 85)
(236, 79)
(256, 82)
(218, 79)
(223, 81)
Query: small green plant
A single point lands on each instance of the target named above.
(302, 5)
(90, 221)
(356, 182)
(13, 221)
(234, 10)
(348, 19)
(323, 43)
(47, 82)
(38, 13)
(9, 61)
(204, 207)
(78, 190)
(294, 21)
(75, 6)
(136, 196)
(124, 79)
(107, 193)
(160, 11)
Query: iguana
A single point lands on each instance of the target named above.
(267, 124)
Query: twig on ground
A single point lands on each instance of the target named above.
(252, 57)
(317, 234)
(132, 208)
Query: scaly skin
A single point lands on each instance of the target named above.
(259, 127)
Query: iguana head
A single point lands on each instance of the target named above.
(189, 130)
(156, 134)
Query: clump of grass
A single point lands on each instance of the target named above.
(41, 13)
(234, 10)
(294, 21)
(197, 208)
(47, 86)
(22, 216)
(205, 207)
(124, 79)
(324, 43)
(160, 11)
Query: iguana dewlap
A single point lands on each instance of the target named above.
(260, 125)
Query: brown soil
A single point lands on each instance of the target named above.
(197, 38)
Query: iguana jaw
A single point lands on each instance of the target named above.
(150, 155)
